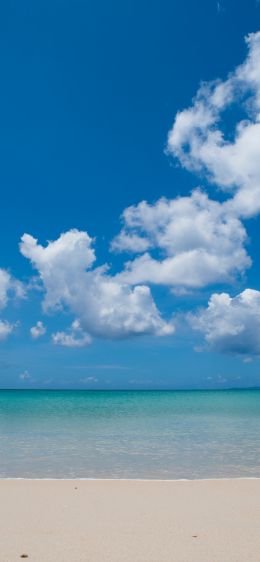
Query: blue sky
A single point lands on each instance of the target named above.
(89, 94)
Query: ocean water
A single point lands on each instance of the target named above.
(125, 434)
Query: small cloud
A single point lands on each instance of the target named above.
(199, 348)
(112, 366)
(38, 330)
(25, 376)
(10, 287)
(89, 380)
(221, 379)
(230, 325)
(248, 360)
(220, 7)
(75, 337)
(216, 379)
(5, 329)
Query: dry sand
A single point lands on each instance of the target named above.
(123, 521)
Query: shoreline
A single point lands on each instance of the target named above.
(79, 479)
(81, 520)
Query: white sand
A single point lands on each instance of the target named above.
(130, 521)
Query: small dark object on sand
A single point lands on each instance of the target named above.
(75, 488)
(24, 556)
(194, 536)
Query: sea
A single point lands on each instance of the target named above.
(129, 434)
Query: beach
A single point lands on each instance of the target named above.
(130, 281)
(130, 476)
(130, 520)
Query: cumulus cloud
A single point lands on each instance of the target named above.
(201, 242)
(184, 243)
(197, 137)
(75, 337)
(38, 330)
(5, 282)
(59, 262)
(231, 325)
(8, 287)
(6, 328)
(69, 339)
(195, 241)
(105, 307)
(130, 241)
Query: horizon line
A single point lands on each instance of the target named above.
(131, 389)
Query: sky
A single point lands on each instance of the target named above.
(130, 194)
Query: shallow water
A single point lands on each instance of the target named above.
(125, 434)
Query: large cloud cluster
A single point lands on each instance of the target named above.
(198, 141)
(200, 240)
(186, 242)
(104, 307)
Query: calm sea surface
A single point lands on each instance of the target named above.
(178, 434)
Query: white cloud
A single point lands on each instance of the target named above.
(25, 376)
(5, 329)
(74, 338)
(198, 141)
(201, 242)
(9, 286)
(89, 380)
(61, 261)
(184, 243)
(70, 339)
(38, 330)
(231, 325)
(105, 307)
(5, 282)
(129, 241)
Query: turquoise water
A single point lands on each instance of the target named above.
(178, 434)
